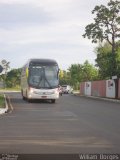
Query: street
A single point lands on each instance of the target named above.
(73, 124)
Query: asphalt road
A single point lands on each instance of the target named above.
(72, 125)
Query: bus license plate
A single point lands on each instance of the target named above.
(44, 96)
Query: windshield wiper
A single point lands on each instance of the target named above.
(48, 82)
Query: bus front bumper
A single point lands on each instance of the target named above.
(43, 94)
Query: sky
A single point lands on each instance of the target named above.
(46, 29)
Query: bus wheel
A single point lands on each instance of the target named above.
(53, 100)
(29, 100)
(23, 96)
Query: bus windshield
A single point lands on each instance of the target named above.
(43, 76)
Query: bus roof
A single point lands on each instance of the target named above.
(42, 61)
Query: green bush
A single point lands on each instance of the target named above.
(2, 101)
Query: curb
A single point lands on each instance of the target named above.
(4, 110)
(100, 98)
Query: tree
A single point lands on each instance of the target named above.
(89, 72)
(104, 60)
(75, 75)
(4, 67)
(13, 78)
(82, 72)
(64, 77)
(106, 27)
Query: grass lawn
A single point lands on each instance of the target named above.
(2, 101)
(11, 89)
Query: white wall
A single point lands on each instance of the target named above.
(110, 88)
(88, 88)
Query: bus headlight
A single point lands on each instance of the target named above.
(31, 90)
(56, 91)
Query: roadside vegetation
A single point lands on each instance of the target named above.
(77, 73)
(2, 101)
(11, 80)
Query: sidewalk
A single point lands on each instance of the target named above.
(101, 98)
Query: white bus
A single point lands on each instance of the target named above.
(40, 80)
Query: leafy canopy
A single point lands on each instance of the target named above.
(104, 60)
(106, 24)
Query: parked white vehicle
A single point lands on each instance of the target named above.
(67, 89)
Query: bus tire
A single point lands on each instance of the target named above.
(23, 98)
(28, 100)
(22, 95)
(53, 100)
